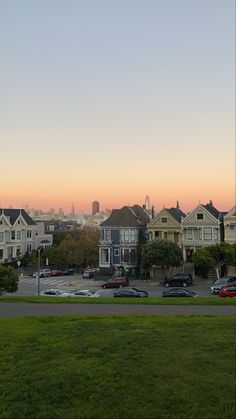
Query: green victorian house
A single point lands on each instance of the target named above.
(167, 225)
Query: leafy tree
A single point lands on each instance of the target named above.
(202, 262)
(30, 259)
(162, 253)
(8, 279)
(215, 256)
(81, 247)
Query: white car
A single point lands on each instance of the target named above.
(84, 293)
(55, 293)
(42, 273)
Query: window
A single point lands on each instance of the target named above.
(190, 234)
(133, 256)
(165, 235)
(29, 248)
(29, 234)
(1, 253)
(176, 237)
(207, 233)
(200, 216)
(232, 227)
(116, 252)
(133, 235)
(157, 234)
(215, 233)
(200, 234)
(13, 235)
(1, 222)
(18, 222)
(124, 234)
(1, 236)
(104, 255)
(18, 250)
(18, 235)
(164, 219)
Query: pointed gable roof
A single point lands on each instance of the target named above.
(127, 217)
(176, 213)
(212, 210)
(13, 214)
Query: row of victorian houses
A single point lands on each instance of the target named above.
(128, 227)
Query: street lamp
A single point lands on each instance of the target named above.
(39, 250)
(18, 264)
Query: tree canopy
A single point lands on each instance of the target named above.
(8, 279)
(215, 257)
(162, 253)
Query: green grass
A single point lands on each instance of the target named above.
(133, 367)
(107, 300)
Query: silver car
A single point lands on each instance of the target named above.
(221, 282)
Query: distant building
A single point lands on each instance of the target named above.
(95, 207)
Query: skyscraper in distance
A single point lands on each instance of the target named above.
(95, 207)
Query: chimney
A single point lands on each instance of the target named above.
(153, 212)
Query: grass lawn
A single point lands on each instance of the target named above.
(111, 367)
(107, 300)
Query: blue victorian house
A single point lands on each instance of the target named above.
(121, 235)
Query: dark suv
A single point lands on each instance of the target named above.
(179, 280)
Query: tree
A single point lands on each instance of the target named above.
(162, 253)
(215, 256)
(8, 279)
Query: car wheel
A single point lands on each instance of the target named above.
(167, 284)
(104, 287)
(185, 284)
(120, 286)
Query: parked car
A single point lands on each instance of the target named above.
(179, 292)
(56, 272)
(68, 271)
(84, 293)
(221, 282)
(115, 283)
(43, 273)
(228, 291)
(89, 274)
(55, 293)
(179, 280)
(130, 292)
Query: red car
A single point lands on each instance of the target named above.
(228, 291)
(56, 272)
(115, 283)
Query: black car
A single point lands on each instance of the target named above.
(68, 271)
(179, 292)
(179, 280)
(130, 292)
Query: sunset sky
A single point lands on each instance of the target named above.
(111, 100)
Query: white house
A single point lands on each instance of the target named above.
(230, 226)
(201, 227)
(19, 233)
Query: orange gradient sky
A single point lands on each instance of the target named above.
(113, 101)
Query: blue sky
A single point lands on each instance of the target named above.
(141, 93)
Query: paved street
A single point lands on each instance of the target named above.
(24, 309)
(28, 286)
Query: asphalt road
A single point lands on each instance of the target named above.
(24, 309)
(28, 286)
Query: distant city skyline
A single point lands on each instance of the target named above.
(117, 100)
(71, 209)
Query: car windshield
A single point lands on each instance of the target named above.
(221, 281)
